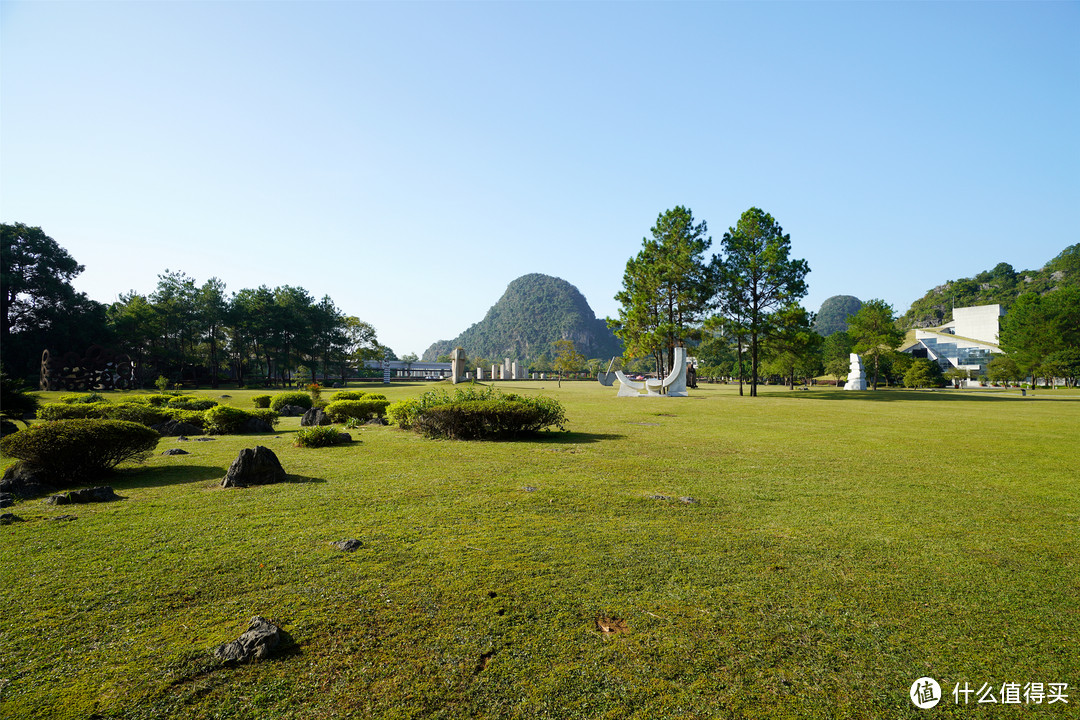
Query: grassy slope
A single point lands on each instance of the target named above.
(844, 545)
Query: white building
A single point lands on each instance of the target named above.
(968, 342)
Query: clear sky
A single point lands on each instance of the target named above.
(410, 159)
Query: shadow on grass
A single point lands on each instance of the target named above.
(926, 395)
(142, 477)
(571, 438)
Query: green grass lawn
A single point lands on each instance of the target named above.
(841, 545)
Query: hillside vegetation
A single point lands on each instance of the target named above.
(1002, 285)
(834, 313)
(534, 312)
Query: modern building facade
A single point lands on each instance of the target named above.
(968, 342)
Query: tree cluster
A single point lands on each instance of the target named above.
(743, 299)
(183, 331)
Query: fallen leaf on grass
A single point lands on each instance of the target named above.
(611, 626)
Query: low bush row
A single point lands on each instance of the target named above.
(203, 413)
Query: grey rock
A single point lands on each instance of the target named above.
(225, 396)
(689, 500)
(175, 451)
(6, 499)
(344, 437)
(348, 545)
(261, 638)
(377, 421)
(205, 439)
(291, 411)
(87, 495)
(659, 497)
(314, 416)
(254, 466)
(8, 518)
(65, 518)
(529, 488)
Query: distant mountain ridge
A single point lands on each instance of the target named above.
(1002, 286)
(534, 312)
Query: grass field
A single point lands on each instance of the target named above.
(841, 545)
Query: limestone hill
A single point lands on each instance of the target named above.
(534, 312)
(1002, 286)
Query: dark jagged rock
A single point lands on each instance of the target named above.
(6, 499)
(87, 495)
(175, 451)
(313, 417)
(26, 481)
(291, 411)
(254, 466)
(258, 642)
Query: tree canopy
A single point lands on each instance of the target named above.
(667, 288)
(874, 332)
(757, 277)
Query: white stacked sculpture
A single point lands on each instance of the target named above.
(856, 379)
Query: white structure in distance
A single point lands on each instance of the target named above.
(856, 379)
(674, 385)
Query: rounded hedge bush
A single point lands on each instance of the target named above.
(192, 402)
(300, 399)
(72, 452)
(348, 395)
(362, 409)
(317, 436)
(476, 419)
(261, 401)
(82, 398)
(135, 412)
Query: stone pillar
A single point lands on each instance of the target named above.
(457, 365)
(514, 371)
(479, 374)
(494, 372)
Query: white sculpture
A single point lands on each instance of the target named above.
(856, 379)
(674, 385)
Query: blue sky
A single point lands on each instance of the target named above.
(411, 159)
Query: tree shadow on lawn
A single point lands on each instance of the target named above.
(928, 396)
(144, 477)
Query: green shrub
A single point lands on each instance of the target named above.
(225, 420)
(479, 419)
(134, 412)
(261, 401)
(82, 398)
(191, 417)
(74, 451)
(476, 412)
(15, 401)
(266, 414)
(403, 413)
(348, 395)
(342, 410)
(300, 399)
(192, 402)
(72, 411)
(317, 436)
